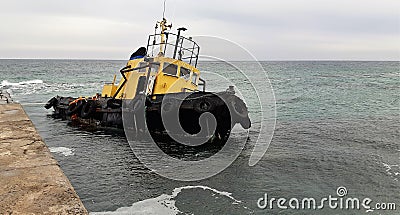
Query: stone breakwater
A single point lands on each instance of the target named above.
(31, 181)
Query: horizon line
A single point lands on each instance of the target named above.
(271, 60)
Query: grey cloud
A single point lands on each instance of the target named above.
(281, 30)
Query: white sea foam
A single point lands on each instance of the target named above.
(40, 87)
(30, 82)
(393, 170)
(163, 204)
(23, 87)
(62, 150)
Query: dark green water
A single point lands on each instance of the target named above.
(338, 124)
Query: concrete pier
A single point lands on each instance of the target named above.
(31, 181)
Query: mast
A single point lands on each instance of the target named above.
(164, 27)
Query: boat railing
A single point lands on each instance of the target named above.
(202, 83)
(182, 48)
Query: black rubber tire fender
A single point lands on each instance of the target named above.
(51, 103)
(239, 107)
(88, 109)
(245, 123)
(75, 107)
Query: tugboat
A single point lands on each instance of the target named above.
(160, 85)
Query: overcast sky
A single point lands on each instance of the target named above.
(270, 30)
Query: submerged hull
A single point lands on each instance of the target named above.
(183, 110)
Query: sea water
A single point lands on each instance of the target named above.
(337, 126)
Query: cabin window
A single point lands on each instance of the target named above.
(185, 73)
(140, 85)
(154, 68)
(170, 69)
(142, 64)
(194, 78)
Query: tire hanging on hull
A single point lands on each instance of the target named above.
(88, 109)
(51, 103)
(75, 107)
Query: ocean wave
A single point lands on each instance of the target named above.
(165, 203)
(6, 83)
(37, 86)
(62, 150)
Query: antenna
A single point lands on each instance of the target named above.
(163, 14)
